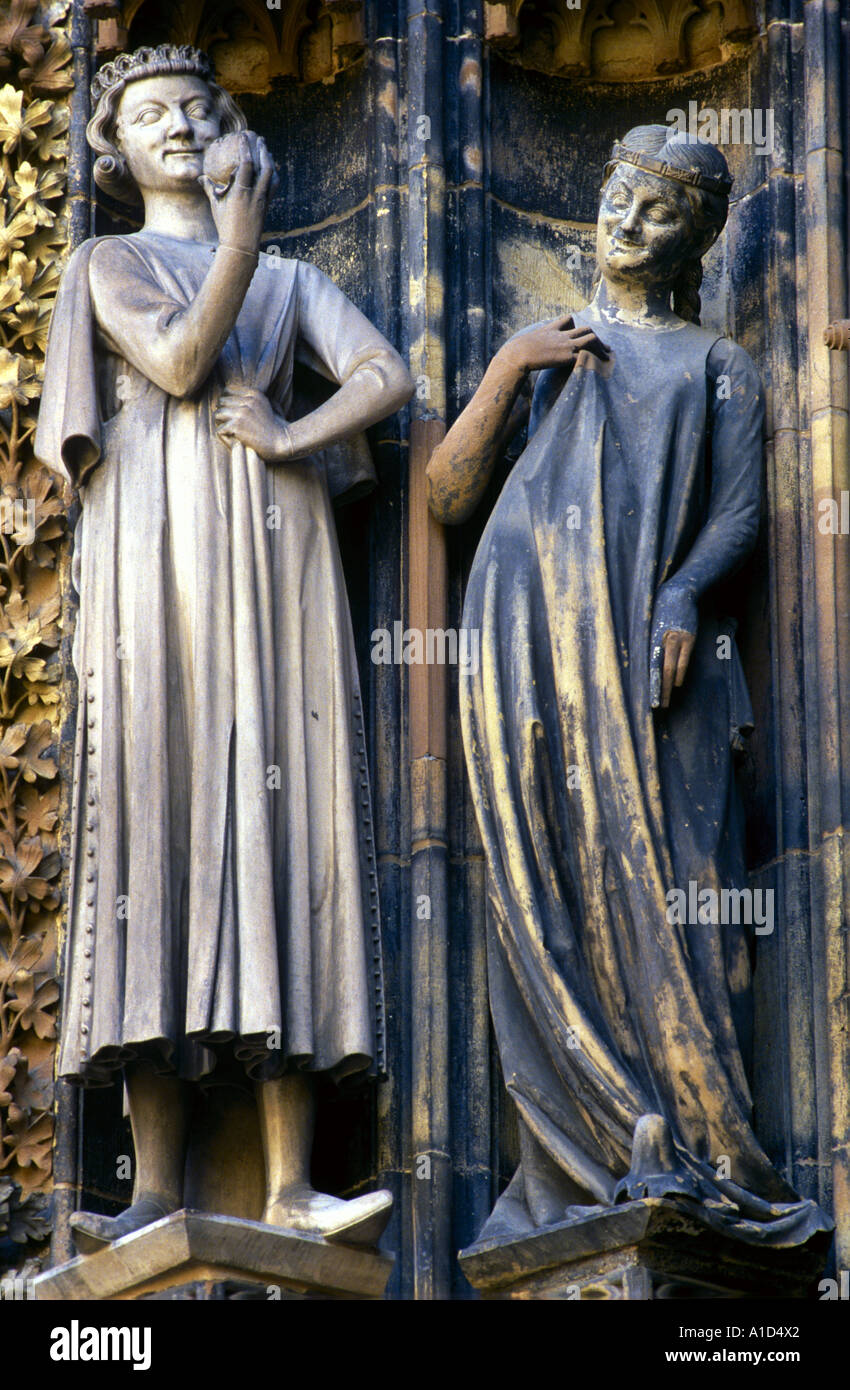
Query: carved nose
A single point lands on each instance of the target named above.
(179, 124)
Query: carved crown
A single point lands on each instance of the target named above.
(162, 61)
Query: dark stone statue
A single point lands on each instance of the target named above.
(601, 727)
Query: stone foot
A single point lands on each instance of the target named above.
(360, 1221)
(92, 1232)
(656, 1170)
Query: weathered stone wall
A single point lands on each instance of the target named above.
(444, 170)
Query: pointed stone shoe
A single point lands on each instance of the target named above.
(93, 1232)
(360, 1221)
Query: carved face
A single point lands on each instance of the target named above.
(164, 125)
(645, 231)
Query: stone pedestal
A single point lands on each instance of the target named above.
(657, 1248)
(196, 1255)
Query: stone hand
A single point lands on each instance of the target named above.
(554, 344)
(237, 179)
(674, 633)
(245, 416)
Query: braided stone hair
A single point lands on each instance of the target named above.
(709, 209)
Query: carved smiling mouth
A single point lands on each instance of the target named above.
(631, 250)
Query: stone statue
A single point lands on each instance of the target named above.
(601, 724)
(223, 917)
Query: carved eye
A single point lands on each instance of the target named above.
(149, 114)
(199, 109)
(659, 213)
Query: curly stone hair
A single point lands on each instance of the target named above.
(709, 208)
(110, 169)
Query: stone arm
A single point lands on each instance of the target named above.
(737, 435)
(728, 534)
(378, 386)
(461, 466)
(335, 339)
(339, 342)
(174, 345)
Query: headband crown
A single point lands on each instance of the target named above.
(712, 183)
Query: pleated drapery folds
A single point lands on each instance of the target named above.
(593, 807)
(223, 892)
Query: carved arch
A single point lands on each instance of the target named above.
(251, 44)
(617, 40)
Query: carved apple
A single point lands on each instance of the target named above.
(222, 157)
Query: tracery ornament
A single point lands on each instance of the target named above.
(617, 40)
(252, 43)
(34, 82)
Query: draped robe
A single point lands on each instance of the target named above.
(592, 806)
(223, 907)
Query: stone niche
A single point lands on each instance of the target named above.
(251, 42)
(617, 40)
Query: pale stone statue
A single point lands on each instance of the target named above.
(223, 917)
(601, 723)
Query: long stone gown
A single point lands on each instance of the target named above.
(593, 807)
(223, 897)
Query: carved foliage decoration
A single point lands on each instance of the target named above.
(617, 40)
(34, 82)
(251, 42)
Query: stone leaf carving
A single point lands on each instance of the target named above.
(34, 77)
